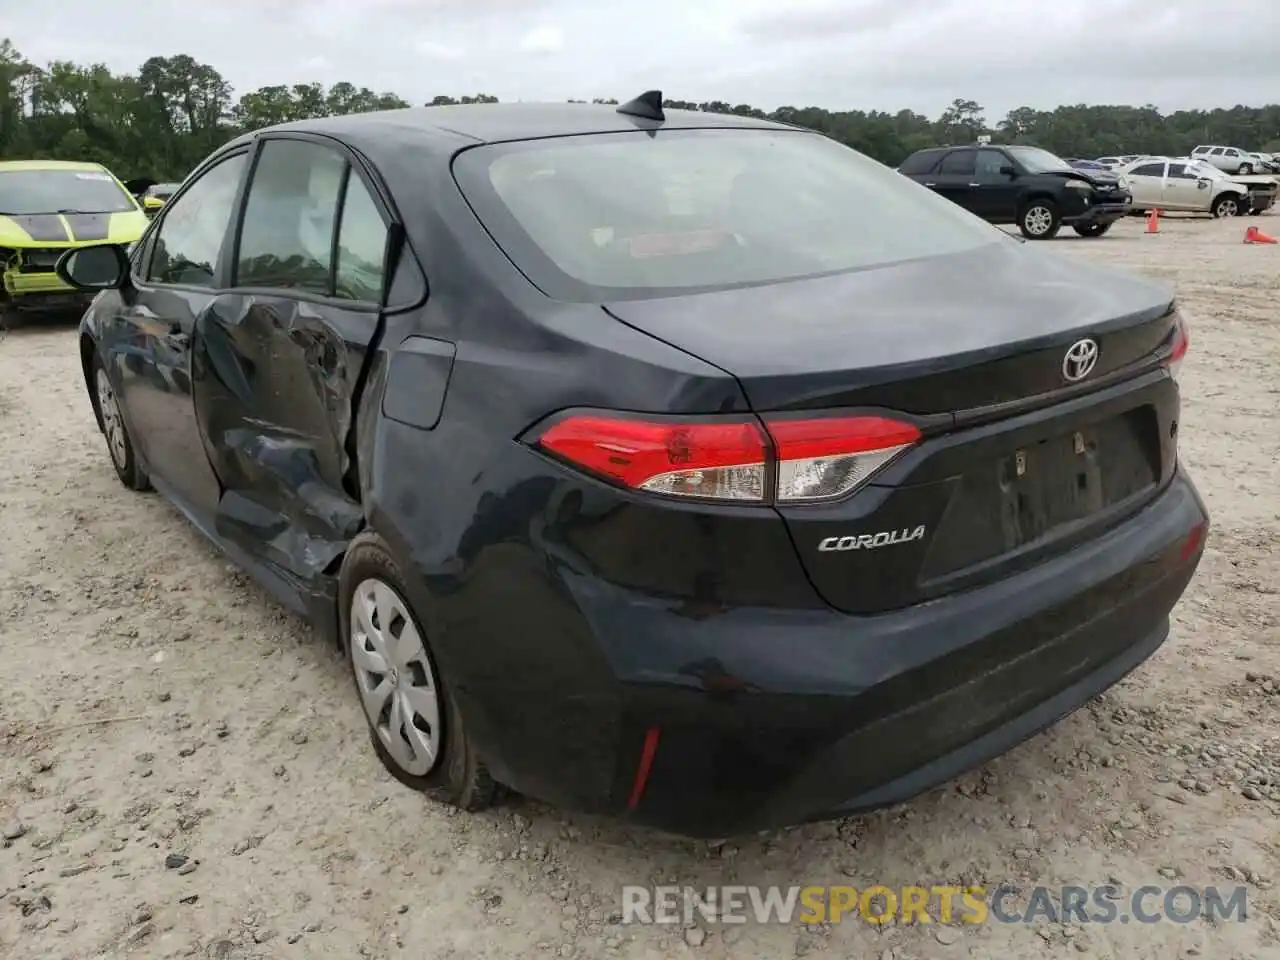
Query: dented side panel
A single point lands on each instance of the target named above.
(275, 383)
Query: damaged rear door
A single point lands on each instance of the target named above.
(281, 355)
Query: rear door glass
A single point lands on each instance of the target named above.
(959, 163)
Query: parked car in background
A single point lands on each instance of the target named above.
(1079, 164)
(1226, 159)
(48, 207)
(1188, 184)
(1262, 187)
(156, 196)
(699, 501)
(1031, 187)
(1113, 163)
(1266, 162)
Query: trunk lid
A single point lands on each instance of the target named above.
(1015, 465)
(925, 337)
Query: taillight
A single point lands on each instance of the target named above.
(716, 460)
(1181, 343)
(830, 457)
(791, 460)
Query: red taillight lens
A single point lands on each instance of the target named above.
(803, 460)
(829, 457)
(718, 460)
(1181, 343)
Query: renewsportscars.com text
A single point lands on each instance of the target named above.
(972, 905)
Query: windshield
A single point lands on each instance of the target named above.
(631, 215)
(1035, 160)
(25, 192)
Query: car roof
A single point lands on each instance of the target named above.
(457, 125)
(15, 165)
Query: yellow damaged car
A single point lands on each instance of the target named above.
(48, 207)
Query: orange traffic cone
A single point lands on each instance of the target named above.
(1153, 221)
(1254, 235)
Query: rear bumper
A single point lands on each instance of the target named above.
(1100, 213)
(766, 717)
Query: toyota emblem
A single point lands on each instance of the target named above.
(1080, 360)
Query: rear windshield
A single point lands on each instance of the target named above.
(61, 191)
(636, 215)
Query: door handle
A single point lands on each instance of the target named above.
(930, 184)
(975, 184)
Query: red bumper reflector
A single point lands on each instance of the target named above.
(644, 766)
(1193, 542)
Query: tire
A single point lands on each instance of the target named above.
(1228, 205)
(450, 772)
(119, 444)
(1246, 169)
(1091, 229)
(1039, 220)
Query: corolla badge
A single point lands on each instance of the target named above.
(869, 541)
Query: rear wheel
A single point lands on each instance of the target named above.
(1227, 206)
(119, 443)
(1091, 229)
(1039, 220)
(414, 722)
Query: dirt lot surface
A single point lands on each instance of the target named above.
(154, 702)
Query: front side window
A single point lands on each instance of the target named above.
(989, 164)
(28, 192)
(286, 239)
(635, 215)
(190, 239)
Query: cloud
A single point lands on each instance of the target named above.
(437, 50)
(543, 40)
(841, 54)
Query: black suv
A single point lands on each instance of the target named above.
(1024, 185)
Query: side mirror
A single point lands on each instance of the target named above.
(1202, 183)
(1008, 169)
(104, 266)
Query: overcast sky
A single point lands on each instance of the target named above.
(840, 54)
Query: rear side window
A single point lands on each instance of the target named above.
(634, 215)
(922, 161)
(362, 244)
(1148, 170)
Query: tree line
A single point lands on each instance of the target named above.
(162, 120)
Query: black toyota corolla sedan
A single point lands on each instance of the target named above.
(691, 468)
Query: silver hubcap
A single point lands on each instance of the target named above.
(111, 423)
(1038, 220)
(1227, 208)
(397, 685)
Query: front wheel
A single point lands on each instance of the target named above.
(1091, 229)
(414, 722)
(1039, 220)
(119, 443)
(1228, 206)
(1245, 170)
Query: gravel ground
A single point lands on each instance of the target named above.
(184, 770)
